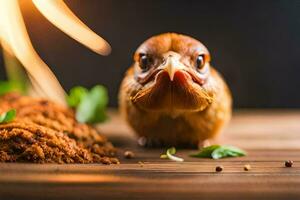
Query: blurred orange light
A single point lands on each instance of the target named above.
(62, 17)
(15, 39)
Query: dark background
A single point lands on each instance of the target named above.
(254, 44)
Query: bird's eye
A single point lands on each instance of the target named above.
(145, 62)
(200, 62)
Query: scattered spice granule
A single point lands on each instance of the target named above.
(219, 168)
(142, 141)
(115, 161)
(141, 164)
(46, 132)
(129, 154)
(289, 163)
(247, 167)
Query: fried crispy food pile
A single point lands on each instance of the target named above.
(45, 132)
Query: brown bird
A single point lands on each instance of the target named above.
(171, 96)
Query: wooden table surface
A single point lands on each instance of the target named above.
(269, 136)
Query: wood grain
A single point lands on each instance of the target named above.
(269, 136)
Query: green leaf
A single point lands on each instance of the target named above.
(227, 151)
(76, 95)
(16, 74)
(92, 106)
(206, 152)
(10, 86)
(8, 116)
(218, 151)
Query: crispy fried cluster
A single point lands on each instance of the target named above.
(45, 132)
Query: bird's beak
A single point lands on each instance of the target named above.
(172, 65)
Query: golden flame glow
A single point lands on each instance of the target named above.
(61, 16)
(15, 40)
(16, 37)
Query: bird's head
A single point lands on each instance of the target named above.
(173, 73)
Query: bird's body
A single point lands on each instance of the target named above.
(171, 96)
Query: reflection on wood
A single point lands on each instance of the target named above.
(270, 137)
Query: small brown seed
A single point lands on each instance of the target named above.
(247, 167)
(219, 168)
(128, 154)
(141, 164)
(289, 163)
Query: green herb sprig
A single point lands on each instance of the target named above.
(219, 151)
(90, 105)
(170, 155)
(8, 116)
